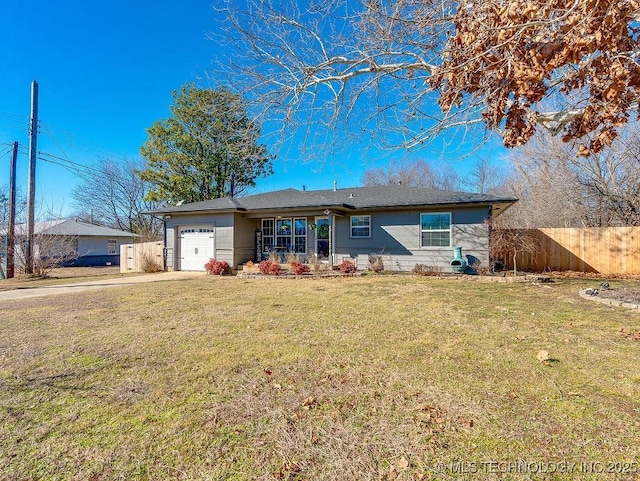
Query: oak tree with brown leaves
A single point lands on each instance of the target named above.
(517, 53)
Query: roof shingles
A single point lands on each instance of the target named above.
(354, 198)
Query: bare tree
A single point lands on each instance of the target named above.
(557, 189)
(483, 177)
(52, 247)
(506, 243)
(50, 251)
(546, 189)
(610, 182)
(114, 195)
(333, 68)
(4, 207)
(21, 203)
(418, 173)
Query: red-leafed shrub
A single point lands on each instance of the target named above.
(275, 269)
(216, 268)
(347, 267)
(298, 268)
(264, 267)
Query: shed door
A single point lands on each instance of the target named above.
(197, 247)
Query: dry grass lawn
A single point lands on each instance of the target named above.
(367, 378)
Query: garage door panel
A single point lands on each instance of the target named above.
(197, 247)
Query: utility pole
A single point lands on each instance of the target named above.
(31, 187)
(11, 231)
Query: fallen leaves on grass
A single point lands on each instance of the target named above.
(308, 403)
(634, 336)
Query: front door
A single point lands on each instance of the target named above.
(322, 237)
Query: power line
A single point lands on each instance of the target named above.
(13, 125)
(10, 114)
(56, 134)
(79, 143)
(14, 121)
(63, 165)
(58, 144)
(14, 117)
(71, 165)
(8, 150)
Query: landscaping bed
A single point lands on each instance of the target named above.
(623, 294)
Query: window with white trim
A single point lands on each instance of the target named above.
(285, 235)
(360, 226)
(435, 229)
(112, 247)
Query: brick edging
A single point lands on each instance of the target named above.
(608, 302)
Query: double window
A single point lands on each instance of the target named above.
(435, 229)
(285, 235)
(360, 226)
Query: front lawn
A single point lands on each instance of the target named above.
(61, 275)
(390, 377)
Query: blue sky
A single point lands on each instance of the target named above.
(106, 71)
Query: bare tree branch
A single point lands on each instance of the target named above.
(410, 70)
(114, 195)
(558, 189)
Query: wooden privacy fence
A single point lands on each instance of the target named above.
(142, 257)
(607, 250)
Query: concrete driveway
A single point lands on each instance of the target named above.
(27, 292)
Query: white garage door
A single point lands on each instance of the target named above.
(196, 247)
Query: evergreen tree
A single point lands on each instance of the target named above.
(208, 149)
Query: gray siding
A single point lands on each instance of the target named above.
(97, 246)
(395, 235)
(244, 237)
(223, 232)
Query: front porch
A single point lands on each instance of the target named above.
(304, 238)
